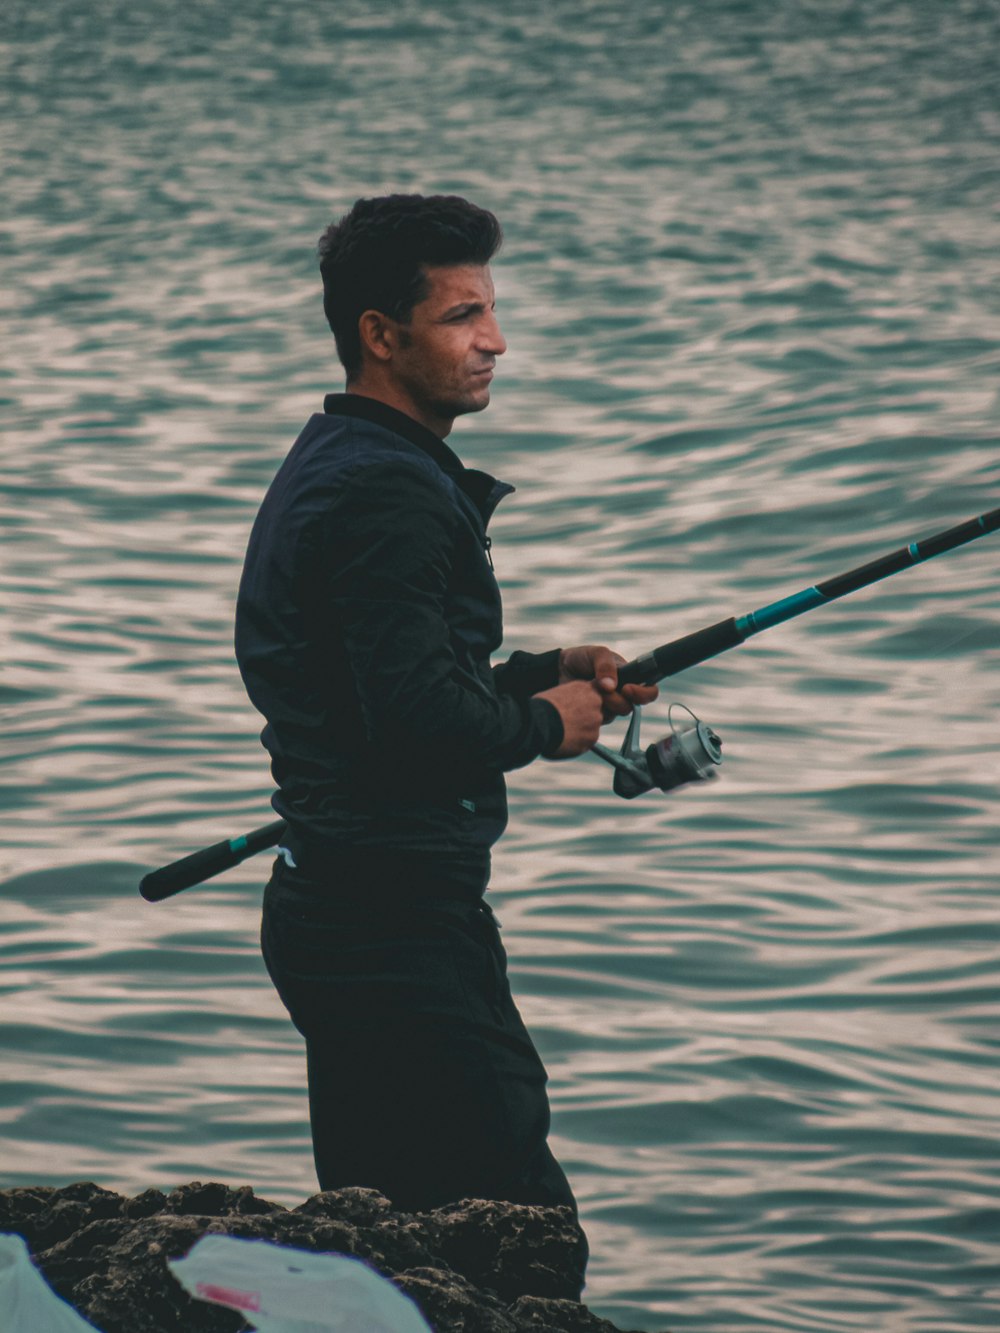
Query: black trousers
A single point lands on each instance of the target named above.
(423, 1081)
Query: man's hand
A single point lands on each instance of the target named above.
(579, 705)
(599, 664)
(588, 696)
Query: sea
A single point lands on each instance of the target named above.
(751, 289)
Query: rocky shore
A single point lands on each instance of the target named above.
(472, 1267)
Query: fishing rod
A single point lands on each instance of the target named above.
(681, 757)
(202, 865)
(688, 651)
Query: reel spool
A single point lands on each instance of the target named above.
(691, 755)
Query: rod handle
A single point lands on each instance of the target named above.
(190, 870)
(682, 653)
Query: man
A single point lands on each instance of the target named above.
(367, 615)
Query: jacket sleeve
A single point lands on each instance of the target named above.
(390, 540)
(524, 674)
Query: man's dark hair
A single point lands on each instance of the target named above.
(373, 258)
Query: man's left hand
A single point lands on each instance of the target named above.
(594, 662)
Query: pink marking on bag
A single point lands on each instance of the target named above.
(237, 1300)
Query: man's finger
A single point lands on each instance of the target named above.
(640, 694)
(619, 703)
(606, 664)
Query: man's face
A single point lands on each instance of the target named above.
(444, 357)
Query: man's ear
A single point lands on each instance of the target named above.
(378, 334)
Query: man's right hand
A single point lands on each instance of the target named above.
(580, 705)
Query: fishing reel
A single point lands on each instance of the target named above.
(691, 755)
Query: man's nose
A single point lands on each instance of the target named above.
(493, 340)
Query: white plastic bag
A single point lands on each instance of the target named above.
(27, 1302)
(279, 1289)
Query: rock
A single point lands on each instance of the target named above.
(216, 1200)
(363, 1207)
(535, 1312)
(135, 1292)
(393, 1242)
(51, 1215)
(450, 1302)
(513, 1250)
(86, 1251)
(472, 1267)
(145, 1204)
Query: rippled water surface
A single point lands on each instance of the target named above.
(751, 287)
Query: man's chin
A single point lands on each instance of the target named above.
(472, 402)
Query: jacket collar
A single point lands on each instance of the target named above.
(371, 409)
(482, 489)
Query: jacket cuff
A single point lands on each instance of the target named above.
(525, 674)
(549, 724)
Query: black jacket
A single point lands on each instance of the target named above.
(366, 618)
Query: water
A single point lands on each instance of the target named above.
(751, 291)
